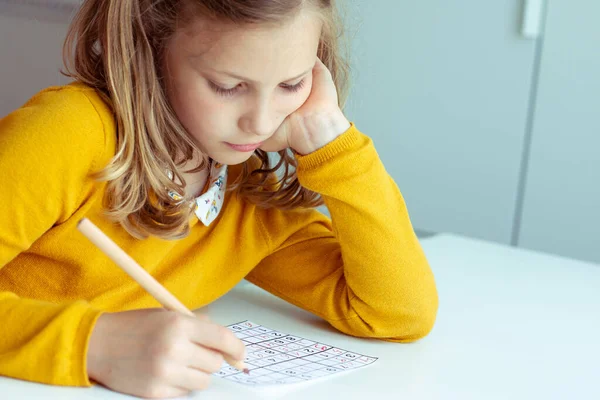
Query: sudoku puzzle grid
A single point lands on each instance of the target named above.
(275, 357)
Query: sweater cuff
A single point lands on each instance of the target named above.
(81, 345)
(345, 141)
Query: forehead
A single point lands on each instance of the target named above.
(259, 51)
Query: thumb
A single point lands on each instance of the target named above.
(201, 317)
(279, 140)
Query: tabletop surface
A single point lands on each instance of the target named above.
(512, 324)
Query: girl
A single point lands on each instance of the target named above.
(162, 141)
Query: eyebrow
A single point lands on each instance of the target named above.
(250, 80)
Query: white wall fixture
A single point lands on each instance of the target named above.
(532, 18)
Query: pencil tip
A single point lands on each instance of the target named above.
(246, 371)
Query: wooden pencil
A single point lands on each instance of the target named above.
(140, 275)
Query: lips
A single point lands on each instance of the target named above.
(245, 147)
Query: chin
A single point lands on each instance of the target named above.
(231, 157)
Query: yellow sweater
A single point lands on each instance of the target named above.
(364, 273)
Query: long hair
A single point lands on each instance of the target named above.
(116, 47)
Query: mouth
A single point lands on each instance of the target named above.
(244, 147)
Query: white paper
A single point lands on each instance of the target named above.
(278, 358)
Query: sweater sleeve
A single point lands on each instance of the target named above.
(48, 147)
(364, 271)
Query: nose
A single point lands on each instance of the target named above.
(260, 120)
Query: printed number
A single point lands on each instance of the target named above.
(349, 355)
(237, 328)
(309, 351)
(290, 372)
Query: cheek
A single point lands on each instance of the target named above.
(296, 100)
(197, 110)
(303, 95)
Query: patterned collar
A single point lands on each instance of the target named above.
(208, 205)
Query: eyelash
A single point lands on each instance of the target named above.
(230, 92)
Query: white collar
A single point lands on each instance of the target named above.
(208, 205)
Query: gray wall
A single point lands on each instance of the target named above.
(31, 52)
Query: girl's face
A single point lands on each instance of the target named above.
(232, 87)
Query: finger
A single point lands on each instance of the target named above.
(204, 359)
(323, 86)
(319, 64)
(278, 141)
(201, 317)
(190, 379)
(173, 392)
(160, 392)
(321, 69)
(218, 338)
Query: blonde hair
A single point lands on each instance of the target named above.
(110, 46)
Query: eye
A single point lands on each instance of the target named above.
(294, 88)
(230, 92)
(222, 91)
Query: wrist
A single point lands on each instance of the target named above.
(95, 347)
(321, 129)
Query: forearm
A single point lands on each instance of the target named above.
(54, 336)
(390, 285)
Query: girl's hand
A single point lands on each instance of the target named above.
(317, 122)
(157, 353)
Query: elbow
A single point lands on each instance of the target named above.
(403, 323)
(404, 314)
(424, 316)
(412, 317)
(422, 323)
(410, 324)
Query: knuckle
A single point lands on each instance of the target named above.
(215, 362)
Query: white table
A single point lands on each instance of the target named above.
(512, 324)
